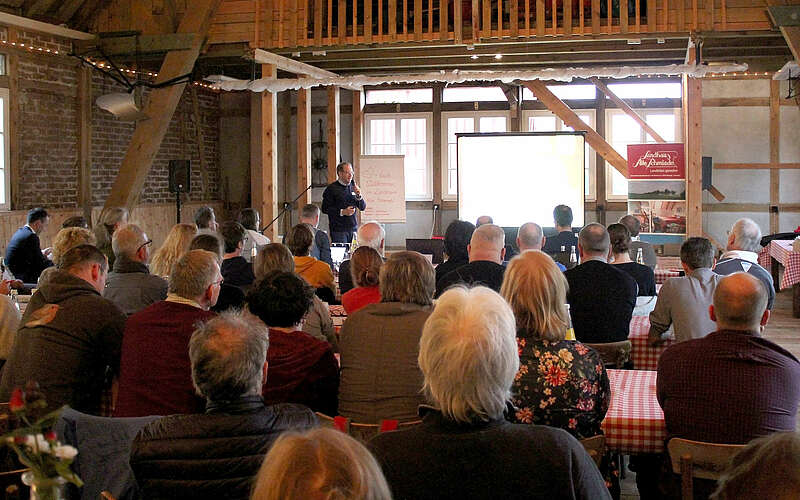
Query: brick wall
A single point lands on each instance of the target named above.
(48, 135)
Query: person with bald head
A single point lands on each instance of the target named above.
(370, 234)
(484, 219)
(486, 252)
(531, 237)
(744, 243)
(601, 297)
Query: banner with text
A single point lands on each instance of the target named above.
(657, 188)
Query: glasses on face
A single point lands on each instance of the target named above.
(146, 243)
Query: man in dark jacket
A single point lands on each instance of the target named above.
(130, 285)
(486, 251)
(235, 268)
(217, 454)
(24, 257)
(70, 337)
(339, 202)
(321, 249)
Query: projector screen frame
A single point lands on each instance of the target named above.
(459, 135)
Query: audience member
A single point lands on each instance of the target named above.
(176, 244)
(230, 296)
(601, 297)
(318, 322)
(486, 251)
(9, 321)
(683, 302)
(236, 270)
(315, 272)
(379, 344)
(742, 255)
(369, 234)
(206, 220)
(769, 467)
(66, 239)
(321, 249)
(130, 285)
(24, 256)
(456, 241)
(70, 337)
(465, 448)
(648, 252)
(302, 369)
(531, 237)
(155, 375)
(110, 220)
(484, 219)
(250, 219)
(365, 270)
(75, 221)
(217, 454)
(562, 216)
(320, 463)
(620, 239)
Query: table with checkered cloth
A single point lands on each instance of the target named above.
(663, 275)
(644, 357)
(634, 423)
(781, 250)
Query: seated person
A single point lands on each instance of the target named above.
(684, 301)
(206, 220)
(562, 216)
(486, 251)
(741, 255)
(317, 273)
(365, 268)
(334, 465)
(155, 373)
(254, 241)
(601, 297)
(66, 238)
(321, 249)
(648, 253)
(483, 219)
(302, 369)
(369, 234)
(379, 345)
(175, 245)
(230, 296)
(215, 454)
(620, 244)
(456, 241)
(464, 447)
(236, 270)
(531, 237)
(24, 257)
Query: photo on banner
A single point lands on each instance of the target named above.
(657, 190)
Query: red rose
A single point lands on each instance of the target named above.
(17, 402)
(50, 435)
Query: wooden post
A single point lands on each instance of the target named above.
(333, 132)
(84, 116)
(438, 168)
(774, 153)
(264, 153)
(600, 163)
(358, 122)
(303, 145)
(693, 140)
(160, 107)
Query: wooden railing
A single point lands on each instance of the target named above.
(275, 24)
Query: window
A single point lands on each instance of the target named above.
(409, 135)
(545, 121)
(472, 94)
(577, 91)
(4, 152)
(670, 90)
(460, 122)
(392, 96)
(622, 130)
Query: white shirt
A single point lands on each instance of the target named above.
(740, 254)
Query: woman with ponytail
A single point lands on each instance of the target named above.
(365, 267)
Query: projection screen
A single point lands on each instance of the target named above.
(519, 177)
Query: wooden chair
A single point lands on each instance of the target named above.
(596, 447)
(697, 459)
(614, 354)
(363, 432)
(107, 495)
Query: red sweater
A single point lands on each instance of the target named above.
(359, 297)
(155, 372)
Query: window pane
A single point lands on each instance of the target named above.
(624, 129)
(390, 96)
(619, 184)
(2, 69)
(470, 94)
(664, 124)
(382, 137)
(572, 91)
(646, 90)
(542, 123)
(492, 124)
(459, 125)
(413, 144)
(412, 131)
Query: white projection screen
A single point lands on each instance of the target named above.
(518, 177)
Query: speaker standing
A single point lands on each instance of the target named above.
(340, 201)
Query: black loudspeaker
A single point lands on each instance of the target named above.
(708, 166)
(180, 172)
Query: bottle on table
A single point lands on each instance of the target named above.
(573, 257)
(570, 330)
(13, 295)
(639, 256)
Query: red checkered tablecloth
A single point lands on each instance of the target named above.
(644, 357)
(634, 422)
(781, 250)
(663, 275)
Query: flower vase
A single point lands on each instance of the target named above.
(45, 488)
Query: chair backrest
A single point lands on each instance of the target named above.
(596, 447)
(363, 432)
(614, 354)
(698, 459)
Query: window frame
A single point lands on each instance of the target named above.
(368, 117)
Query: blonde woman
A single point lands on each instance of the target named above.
(110, 220)
(320, 463)
(176, 244)
(65, 240)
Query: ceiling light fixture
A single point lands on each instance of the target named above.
(473, 56)
(498, 56)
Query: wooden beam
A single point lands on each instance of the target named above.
(290, 65)
(627, 109)
(774, 152)
(692, 138)
(438, 168)
(792, 36)
(143, 44)
(66, 11)
(84, 118)
(358, 132)
(758, 166)
(160, 107)
(561, 110)
(199, 140)
(303, 145)
(334, 118)
(50, 29)
(264, 153)
(787, 18)
(601, 205)
(39, 7)
(716, 193)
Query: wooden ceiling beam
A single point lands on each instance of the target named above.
(67, 10)
(141, 44)
(787, 18)
(627, 109)
(39, 7)
(289, 65)
(50, 29)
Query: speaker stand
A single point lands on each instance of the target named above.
(178, 202)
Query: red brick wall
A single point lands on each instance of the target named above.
(48, 135)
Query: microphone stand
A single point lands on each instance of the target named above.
(286, 208)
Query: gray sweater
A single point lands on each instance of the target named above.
(683, 302)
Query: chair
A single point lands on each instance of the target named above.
(596, 447)
(697, 459)
(363, 432)
(614, 354)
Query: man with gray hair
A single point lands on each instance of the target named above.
(464, 447)
(486, 251)
(531, 237)
(370, 234)
(130, 285)
(155, 376)
(741, 255)
(601, 297)
(321, 249)
(217, 453)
